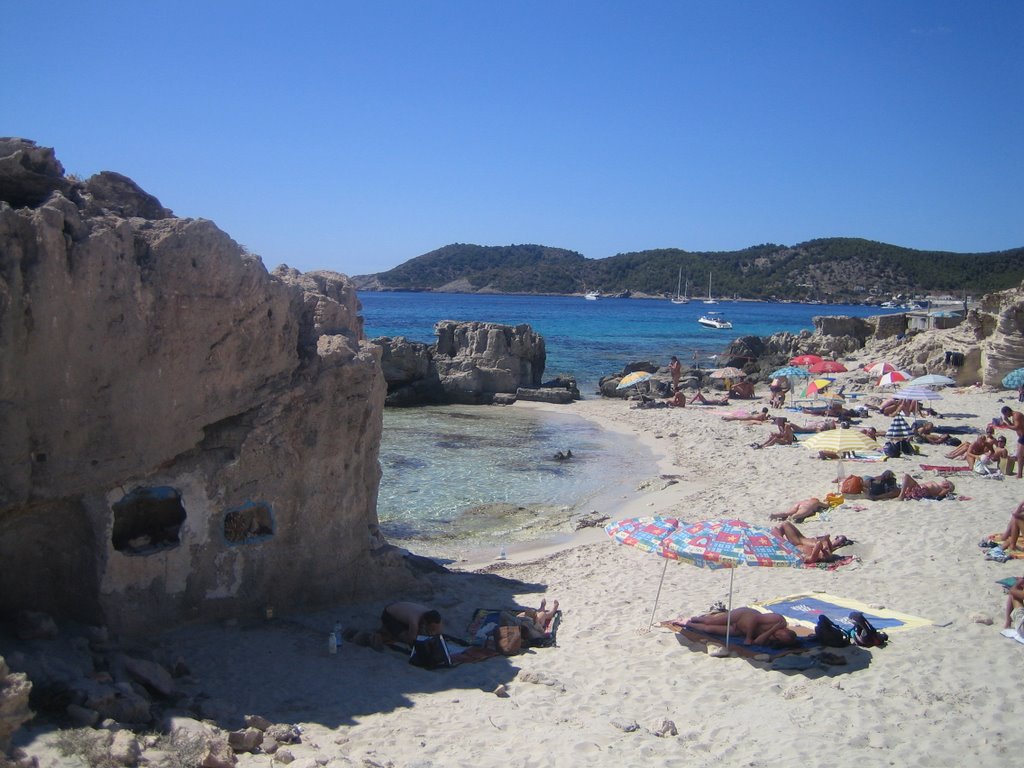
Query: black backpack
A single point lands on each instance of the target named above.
(430, 652)
(831, 634)
(891, 449)
(865, 635)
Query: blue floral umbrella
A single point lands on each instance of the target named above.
(791, 370)
(1014, 379)
(647, 534)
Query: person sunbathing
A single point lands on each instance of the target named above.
(801, 510)
(815, 549)
(998, 451)
(816, 426)
(701, 399)
(932, 489)
(760, 416)
(1014, 602)
(925, 433)
(755, 627)
(978, 444)
(678, 400)
(978, 449)
(784, 436)
(1013, 529)
(536, 621)
(744, 390)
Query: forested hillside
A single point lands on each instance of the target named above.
(832, 269)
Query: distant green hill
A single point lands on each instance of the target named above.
(831, 269)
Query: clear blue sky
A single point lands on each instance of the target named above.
(356, 135)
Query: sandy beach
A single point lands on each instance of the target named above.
(938, 695)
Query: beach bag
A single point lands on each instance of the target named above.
(430, 652)
(891, 449)
(865, 635)
(852, 484)
(508, 639)
(831, 634)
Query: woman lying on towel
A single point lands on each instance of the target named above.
(933, 489)
(756, 628)
(815, 549)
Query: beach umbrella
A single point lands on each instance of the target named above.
(816, 385)
(729, 372)
(633, 379)
(648, 535)
(898, 429)
(790, 370)
(827, 366)
(805, 360)
(917, 393)
(892, 378)
(1014, 378)
(879, 368)
(840, 440)
(730, 544)
(931, 380)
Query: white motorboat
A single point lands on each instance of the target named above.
(592, 295)
(714, 320)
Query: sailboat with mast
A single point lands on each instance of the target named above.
(681, 298)
(709, 299)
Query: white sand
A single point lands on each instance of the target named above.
(942, 695)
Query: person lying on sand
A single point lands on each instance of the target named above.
(536, 622)
(756, 628)
(932, 489)
(743, 390)
(823, 425)
(1013, 529)
(801, 510)
(815, 549)
(1014, 602)
(701, 399)
(762, 416)
(784, 436)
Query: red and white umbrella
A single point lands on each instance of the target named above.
(892, 378)
(879, 368)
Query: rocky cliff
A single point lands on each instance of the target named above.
(184, 434)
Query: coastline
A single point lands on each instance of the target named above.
(937, 695)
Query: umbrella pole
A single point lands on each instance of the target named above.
(658, 596)
(728, 617)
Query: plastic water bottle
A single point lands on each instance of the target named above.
(503, 555)
(332, 643)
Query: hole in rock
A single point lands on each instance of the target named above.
(147, 520)
(250, 522)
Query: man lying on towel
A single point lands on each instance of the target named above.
(756, 628)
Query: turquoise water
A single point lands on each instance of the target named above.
(460, 477)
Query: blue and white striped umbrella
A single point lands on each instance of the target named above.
(917, 393)
(898, 429)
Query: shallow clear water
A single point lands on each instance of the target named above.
(454, 478)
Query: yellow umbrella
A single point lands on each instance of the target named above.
(840, 440)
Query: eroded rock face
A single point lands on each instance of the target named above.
(471, 362)
(184, 434)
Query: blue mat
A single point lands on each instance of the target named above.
(807, 607)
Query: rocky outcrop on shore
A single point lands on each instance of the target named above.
(471, 363)
(185, 436)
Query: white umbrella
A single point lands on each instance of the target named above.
(931, 380)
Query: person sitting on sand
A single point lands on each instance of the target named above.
(815, 549)
(978, 449)
(755, 627)
(403, 622)
(762, 416)
(678, 400)
(701, 399)
(801, 510)
(932, 489)
(1013, 529)
(1014, 603)
(784, 436)
(743, 390)
(979, 444)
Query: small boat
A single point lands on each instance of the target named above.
(680, 298)
(592, 295)
(714, 320)
(709, 299)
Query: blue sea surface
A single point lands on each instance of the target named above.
(457, 478)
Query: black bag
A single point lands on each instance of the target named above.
(891, 449)
(831, 634)
(430, 652)
(865, 635)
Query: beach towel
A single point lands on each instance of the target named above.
(805, 609)
(806, 642)
(867, 456)
(1013, 554)
(838, 561)
(946, 468)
